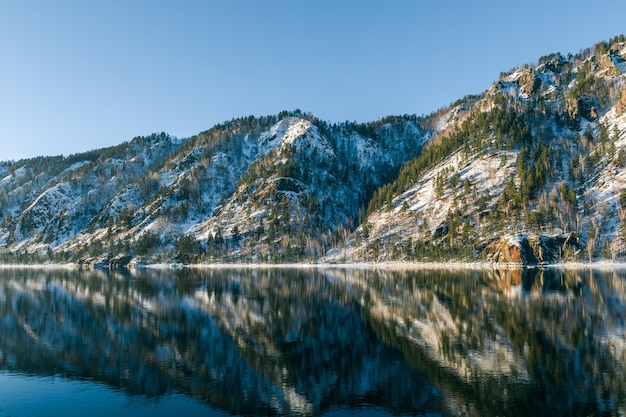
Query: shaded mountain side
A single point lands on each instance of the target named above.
(277, 188)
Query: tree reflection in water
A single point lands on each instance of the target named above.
(297, 341)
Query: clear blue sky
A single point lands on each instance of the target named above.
(84, 74)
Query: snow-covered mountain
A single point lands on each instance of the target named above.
(534, 174)
(530, 171)
(279, 188)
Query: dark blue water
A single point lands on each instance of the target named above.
(312, 342)
(35, 395)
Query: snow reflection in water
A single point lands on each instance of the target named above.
(310, 342)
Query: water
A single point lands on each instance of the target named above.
(312, 342)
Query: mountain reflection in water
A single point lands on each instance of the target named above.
(309, 342)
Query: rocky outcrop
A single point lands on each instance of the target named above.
(532, 250)
(529, 83)
(605, 62)
(507, 250)
(122, 261)
(620, 107)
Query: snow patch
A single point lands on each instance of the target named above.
(19, 173)
(514, 76)
(284, 132)
(56, 196)
(615, 122)
(619, 63)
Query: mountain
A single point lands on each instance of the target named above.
(271, 189)
(533, 174)
(530, 171)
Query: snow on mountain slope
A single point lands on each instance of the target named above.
(550, 161)
(302, 190)
(616, 123)
(285, 182)
(421, 212)
(43, 211)
(291, 130)
(540, 153)
(20, 172)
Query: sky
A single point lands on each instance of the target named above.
(79, 75)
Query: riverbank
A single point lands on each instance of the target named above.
(600, 265)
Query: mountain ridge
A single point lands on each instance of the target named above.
(529, 172)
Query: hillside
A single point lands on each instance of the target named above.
(530, 171)
(272, 189)
(534, 175)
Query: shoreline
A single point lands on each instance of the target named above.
(599, 265)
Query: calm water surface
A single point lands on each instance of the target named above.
(312, 342)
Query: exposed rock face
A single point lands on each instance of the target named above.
(572, 111)
(121, 261)
(606, 63)
(581, 107)
(531, 250)
(620, 107)
(508, 250)
(529, 83)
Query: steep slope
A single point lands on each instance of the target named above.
(535, 174)
(276, 188)
(306, 193)
(45, 202)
